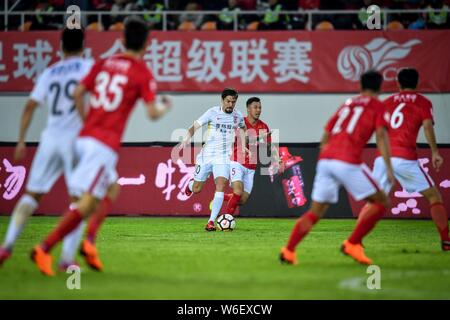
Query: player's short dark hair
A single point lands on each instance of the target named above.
(72, 40)
(251, 100)
(136, 33)
(408, 78)
(371, 80)
(229, 92)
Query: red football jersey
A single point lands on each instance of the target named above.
(115, 84)
(351, 127)
(408, 110)
(253, 132)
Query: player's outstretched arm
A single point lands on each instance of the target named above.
(190, 133)
(158, 109)
(25, 121)
(385, 150)
(436, 158)
(78, 98)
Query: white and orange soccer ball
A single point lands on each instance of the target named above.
(226, 222)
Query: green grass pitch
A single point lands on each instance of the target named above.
(174, 258)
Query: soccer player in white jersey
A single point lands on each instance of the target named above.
(222, 121)
(54, 155)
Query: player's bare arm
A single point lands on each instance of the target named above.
(385, 150)
(430, 135)
(244, 137)
(158, 109)
(190, 132)
(324, 139)
(25, 121)
(78, 97)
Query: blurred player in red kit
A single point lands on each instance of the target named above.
(114, 84)
(340, 163)
(409, 111)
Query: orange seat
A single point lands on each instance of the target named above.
(209, 26)
(395, 25)
(26, 26)
(95, 26)
(187, 26)
(118, 26)
(324, 25)
(253, 25)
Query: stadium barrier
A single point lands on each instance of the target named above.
(257, 62)
(152, 185)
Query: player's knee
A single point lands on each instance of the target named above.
(433, 196)
(35, 196)
(197, 187)
(87, 205)
(113, 191)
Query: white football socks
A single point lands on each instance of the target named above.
(24, 208)
(71, 243)
(216, 205)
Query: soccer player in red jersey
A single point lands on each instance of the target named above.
(409, 110)
(114, 84)
(340, 163)
(242, 167)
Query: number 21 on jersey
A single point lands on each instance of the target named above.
(105, 87)
(344, 113)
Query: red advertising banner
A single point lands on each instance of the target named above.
(152, 184)
(288, 61)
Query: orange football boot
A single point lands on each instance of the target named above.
(287, 256)
(42, 260)
(90, 254)
(356, 251)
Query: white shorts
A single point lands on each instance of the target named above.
(54, 156)
(95, 170)
(411, 176)
(238, 172)
(204, 167)
(331, 174)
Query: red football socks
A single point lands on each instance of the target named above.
(369, 216)
(440, 218)
(301, 228)
(70, 220)
(97, 219)
(233, 203)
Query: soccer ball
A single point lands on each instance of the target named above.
(226, 222)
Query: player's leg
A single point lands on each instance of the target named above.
(202, 172)
(439, 215)
(88, 248)
(325, 191)
(90, 178)
(249, 177)
(221, 174)
(362, 185)
(237, 172)
(414, 178)
(45, 170)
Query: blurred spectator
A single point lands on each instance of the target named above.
(227, 16)
(247, 4)
(197, 19)
(118, 6)
(43, 20)
(272, 19)
(154, 20)
(100, 5)
(437, 19)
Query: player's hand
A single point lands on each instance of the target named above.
(281, 167)
(390, 176)
(183, 144)
(246, 151)
(167, 102)
(19, 152)
(437, 161)
(263, 137)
